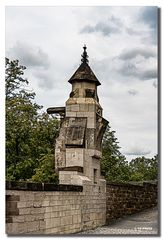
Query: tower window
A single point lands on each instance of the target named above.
(95, 176)
(89, 93)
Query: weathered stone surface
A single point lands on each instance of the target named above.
(124, 199)
(70, 211)
(75, 131)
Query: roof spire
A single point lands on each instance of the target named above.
(84, 55)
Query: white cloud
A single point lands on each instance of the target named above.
(122, 53)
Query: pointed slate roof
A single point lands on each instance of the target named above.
(84, 72)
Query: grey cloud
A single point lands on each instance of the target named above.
(128, 69)
(131, 70)
(131, 31)
(45, 81)
(149, 74)
(116, 20)
(30, 56)
(132, 53)
(133, 92)
(105, 29)
(112, 26)
(149, 16)
(137, 151)
(129, 63)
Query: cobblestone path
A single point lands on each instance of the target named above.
(143, 223)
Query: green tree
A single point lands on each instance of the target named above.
(30, 133)
(45, 170)
(144, 169)
(113, 164)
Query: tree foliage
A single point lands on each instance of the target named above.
(113, 164)
(45, 170)
(30, 133)
(144, 169)
(117, 169)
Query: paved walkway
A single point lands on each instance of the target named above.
(145, 222)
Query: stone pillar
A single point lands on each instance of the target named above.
(78, 147)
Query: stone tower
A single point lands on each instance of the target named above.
(78, 147)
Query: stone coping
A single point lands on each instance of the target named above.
(34, 186)
(132, 184)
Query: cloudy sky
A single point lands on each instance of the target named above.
(122, 48)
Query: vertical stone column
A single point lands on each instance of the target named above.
(78, 147)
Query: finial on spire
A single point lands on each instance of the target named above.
(84, 55)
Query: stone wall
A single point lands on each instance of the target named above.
(36, 208)
(125, 199)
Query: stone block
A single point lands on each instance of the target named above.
(48, 209)
(42, 224)
(48, 214)
(45, 203)
(12, 228)
(23, 227)
(24, 211)
(64, 177)
(80, 114)
(39, 196)
(33, 226)
(55, 214)
(83, 108)
(55, 208)
(55, 203)
(68, 108)
(39, 216)
(90, 100)
(12, 198)
(76, 85)
(11, 208)
(91, 107)
(37, 210)
(71, 114)
(67, 220)
(27, 196)
(64, 182)
(80, 100)
(91, 122)
(74, 157)
(21, 204)
(37, 204)
(89, 85)
(62, 213)
(77, 227)
(18, 219)
(29, 218)
(75, 108)
(86, 217)
(29, 204)
(76, 219)
(53, 222)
